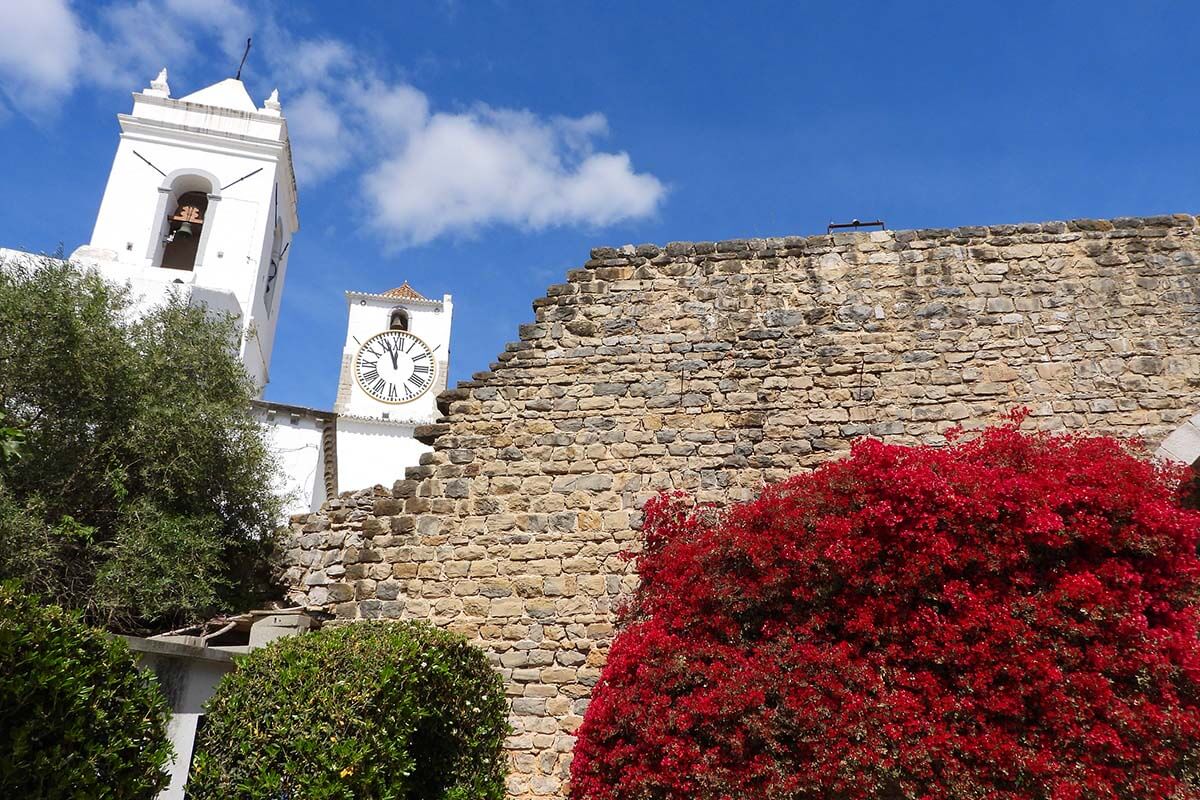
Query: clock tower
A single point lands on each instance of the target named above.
(394, 365)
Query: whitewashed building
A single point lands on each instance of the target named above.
(201, 202)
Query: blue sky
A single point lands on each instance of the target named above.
(482, 148)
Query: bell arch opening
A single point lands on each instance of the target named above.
(184, 227)
(184, 219)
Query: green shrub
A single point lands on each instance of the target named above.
(378, 711)
(77, 718)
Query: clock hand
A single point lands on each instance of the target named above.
(393, 351)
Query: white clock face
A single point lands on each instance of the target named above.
(394, 367)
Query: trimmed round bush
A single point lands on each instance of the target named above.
(77, 717)
(377, 710)
(1012, 617)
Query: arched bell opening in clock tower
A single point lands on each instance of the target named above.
(185, 217)
(184, 227)
(398, 320)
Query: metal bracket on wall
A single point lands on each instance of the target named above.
(855, 224)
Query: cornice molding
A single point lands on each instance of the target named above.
(394, 300)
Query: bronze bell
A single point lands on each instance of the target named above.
(189, 213)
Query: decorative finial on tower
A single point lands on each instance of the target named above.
(159, 86)
(272, 106)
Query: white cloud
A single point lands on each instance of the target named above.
(49, 51)
(321, 145)
(135, 38)
(424, 174)
(311, 61)
(40, 52)
(462, 172)
(398, 110)
(226, 20)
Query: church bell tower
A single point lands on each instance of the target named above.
(201, 200)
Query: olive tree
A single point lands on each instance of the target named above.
(142, 494)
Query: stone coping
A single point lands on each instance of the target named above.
(776, 243)
(159, 647)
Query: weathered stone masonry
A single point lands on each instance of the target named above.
(716, 367)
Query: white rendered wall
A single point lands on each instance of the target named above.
(174, 136)
(1183, 444)
(297, 445)
(148, 293)
(8, 255)
(370, 453)
(188, 684)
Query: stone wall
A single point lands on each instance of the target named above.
(716, 367)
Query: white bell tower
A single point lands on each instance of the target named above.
(201, 200)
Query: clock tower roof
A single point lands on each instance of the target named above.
(405, 292)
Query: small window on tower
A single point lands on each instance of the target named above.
(399, 320)
(183, 231)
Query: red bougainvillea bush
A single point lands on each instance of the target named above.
(1010, 616)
